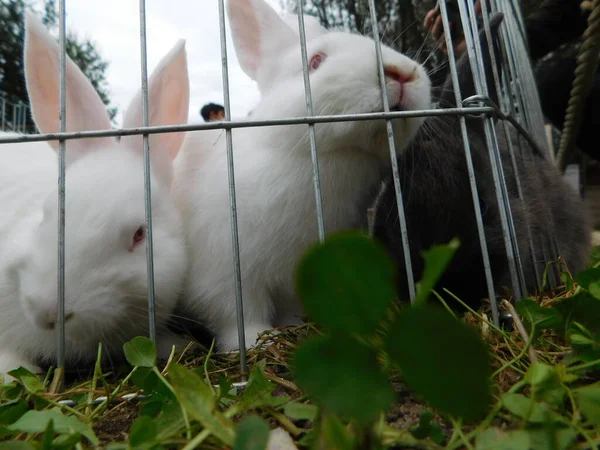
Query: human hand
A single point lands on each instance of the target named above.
(433, 22)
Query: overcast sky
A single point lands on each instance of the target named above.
(114, 26)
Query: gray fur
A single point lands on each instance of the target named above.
(438, 200)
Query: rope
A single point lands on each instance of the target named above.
(587, 64)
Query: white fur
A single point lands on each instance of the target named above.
(106, 289)
(312, 26)
(273, 168)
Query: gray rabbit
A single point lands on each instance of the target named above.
(438, 200)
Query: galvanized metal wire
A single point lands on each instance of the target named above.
(18, 124)
(519, 105)
(239, 304)
(229, 125)
(60, 316)
(524, 105)
(147, 178)
(468, 18)
(392, 147)
(311, 126)
(470, 169)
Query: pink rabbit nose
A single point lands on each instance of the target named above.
(395, 80)
(393, 73)
(47, 319)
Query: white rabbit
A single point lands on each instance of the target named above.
(273, 169)
(105, 271)
(312, 26)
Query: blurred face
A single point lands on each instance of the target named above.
(216, 115)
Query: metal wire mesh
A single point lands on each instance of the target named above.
(519, 100)
(13, 116)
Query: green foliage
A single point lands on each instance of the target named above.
(30, 381)
(557, 408)
(12, 34)
(546, 384)
(347, 285)
(537, 316)
(338, 282)
(427, 428)
(143, 434)
(344, 377)
(140, 352)
(589, 402)
(496, 439)
(259, 390)
(51, 421)
(443, 360)
(252, 434)
(196, 397)
(341, 379)
(436, 259)
(300, 411)
(576, 317)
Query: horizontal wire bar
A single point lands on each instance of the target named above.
(128, 397)
(244, 124)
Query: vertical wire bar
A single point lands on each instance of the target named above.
(517, 177)
(530, 111)
(533, 110)
(14, 121)
(3, 114)
(514, 67)
(62, 117)
(549, 244)
(16, 118)
(515, 78)
(519, 40)
(239, 303)
(517, 108)
(24, 124)
(21, 115)
(529, 156)
(474, 51)
(18, 121)
(147, 184)
(311, 126)
(510, 220)
(471, 171)
(392, 146)
(533, 247)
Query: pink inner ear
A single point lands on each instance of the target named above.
(138, 238)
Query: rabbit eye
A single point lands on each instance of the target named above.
(316, 61)
(139, 235)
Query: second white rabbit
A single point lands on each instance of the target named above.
(273, 169)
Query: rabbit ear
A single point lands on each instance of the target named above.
(312, 26)
(168, 104)
(463, 67)
(259, 34)
(85, 110)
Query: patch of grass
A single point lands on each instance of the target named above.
(405, 377)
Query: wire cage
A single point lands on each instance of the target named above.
(518, 105)
(13, 116)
